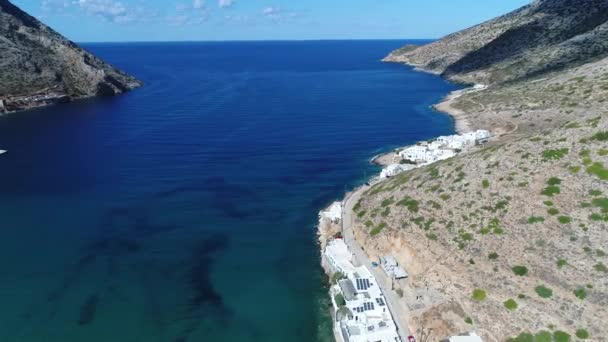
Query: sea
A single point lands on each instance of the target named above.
(186, 210)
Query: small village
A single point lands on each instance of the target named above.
(428, 152)
(363, 310)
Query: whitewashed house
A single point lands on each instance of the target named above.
(395, 169)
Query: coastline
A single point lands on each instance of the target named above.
(344, 228)
(462, 122)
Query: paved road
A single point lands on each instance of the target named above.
(399, 314)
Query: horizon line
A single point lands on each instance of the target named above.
(255, 40)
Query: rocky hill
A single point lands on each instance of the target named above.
(545, 36)
(510, 239)
(39, 67)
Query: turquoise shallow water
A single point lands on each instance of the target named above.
(185, 210)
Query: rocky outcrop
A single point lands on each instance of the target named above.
(543, 37)
(38, 66)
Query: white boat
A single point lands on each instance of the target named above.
(2, 151)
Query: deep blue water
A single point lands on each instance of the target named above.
(185, 210)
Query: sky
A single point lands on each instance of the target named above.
(204, 20)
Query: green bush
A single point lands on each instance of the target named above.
(561, 263)
(485, 183)
(520, 270)
(493, 256)
(601, 203)
(551, 190)
(560, 336)
(468, 320)
(510, 304)
(543, 292)
(595, 193)
(555, 154)
(523, 337)
(575, 169)
(598, 170)
(535, 219)
(543, 336)
(564, 219)
(552, 211)
(600, 136)
(582, 334)
(339, 298)
(479, 295)
(554, 181)
(580, 293)
(411, 204)
(600, 267)
(378, 229)
(387, 202)
(336, 277)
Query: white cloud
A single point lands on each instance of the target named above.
(225, 3)
(270, 11)
(277, 14)
(198, 4)
(108, 9)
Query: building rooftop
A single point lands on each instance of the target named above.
(370, 318)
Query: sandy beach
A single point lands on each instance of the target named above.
(461, 121)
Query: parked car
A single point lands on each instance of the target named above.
(411, 338)
(374, 264)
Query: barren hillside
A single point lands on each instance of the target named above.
(510, 239)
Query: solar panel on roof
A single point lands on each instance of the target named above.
(380, 301)
(362, 284)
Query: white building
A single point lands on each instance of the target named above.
(364, 315)
(395, 169)
(426, 153)
(333, 213)
(443, 147)
(470, 337)
(392, 268)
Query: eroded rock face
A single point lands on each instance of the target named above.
(38, 66)
(545, 36)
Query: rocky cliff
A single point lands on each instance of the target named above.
(38, 66)
(545, 36)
